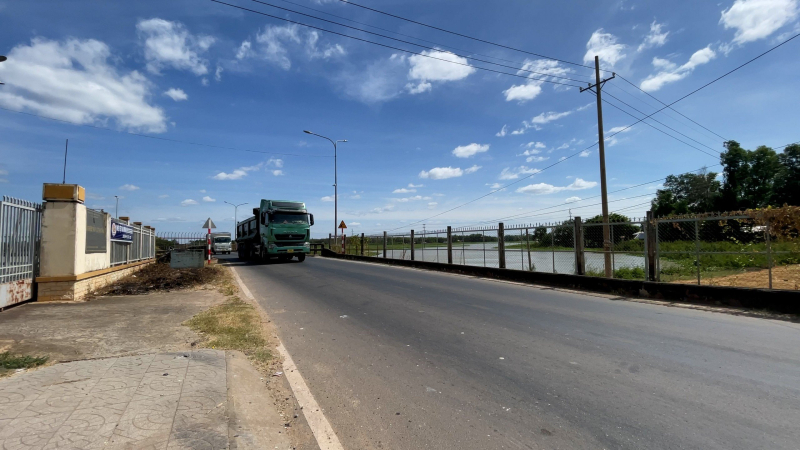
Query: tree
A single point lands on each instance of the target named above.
(621, 230)
(686, 193)
(749, 176)
(787, 181)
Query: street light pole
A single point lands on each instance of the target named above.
(335, 182)
(116, 208)
(235, 217)
(2, 58)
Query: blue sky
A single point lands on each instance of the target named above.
(424, 135)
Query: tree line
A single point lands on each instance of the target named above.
(751, 179)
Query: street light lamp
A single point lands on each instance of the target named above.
(335, 183)
(235, 217)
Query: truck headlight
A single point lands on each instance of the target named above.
(272, 245)
(307, 244)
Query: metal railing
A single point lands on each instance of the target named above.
(722, 250)
(20, 236)
(142, 247)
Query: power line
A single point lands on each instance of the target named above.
(412, 43)
(673, 109)
(348, 2)
(391, 47)
(661, 123)
(148, 136)
(406, 35)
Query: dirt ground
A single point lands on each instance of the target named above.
(783, 277)
(161, 277)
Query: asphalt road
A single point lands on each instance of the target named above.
(407, 359)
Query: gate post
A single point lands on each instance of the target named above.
(330, 246)
(384, 245)
(412, 245)
(650, 245)
(580, 261)
(362, 244)
(501, 245)
(449, 245)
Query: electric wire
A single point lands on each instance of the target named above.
(413, 43)
(464, 35)
(392, 47)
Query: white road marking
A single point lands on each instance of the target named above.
(323, 432)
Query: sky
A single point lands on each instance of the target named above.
(178, 107)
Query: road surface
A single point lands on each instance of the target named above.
(407, 359)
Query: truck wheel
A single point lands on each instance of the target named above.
(301, 257)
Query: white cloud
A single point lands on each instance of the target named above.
(176, 94)
(355, 224)
(237, 174)
(537, 71)
(658, 80)
(535, 159)
(757, 19)
(663, 64)
(494, 186)
(572, 199)
(128, 187)
(403, 191)
(209, 199)
(441, 173)
(169, 45)
(550, 116)
(432, 205)
(277, 172)
(425, 68)
(414, 186)
(503, 131)
(163, 196)
(422, 86)
(655, 38)
(585, 154)
(465, 151)
(188, 202)
(382, 210)
(544, 188)
(411, 199)
(606, 47)
(472, 169)
(379, 81)
(202, 191)
(277, 162)
(512, 174)
(327, 198)
(275, 42)
(74, 81)
(218, 73)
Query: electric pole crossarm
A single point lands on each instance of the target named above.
(599, 83)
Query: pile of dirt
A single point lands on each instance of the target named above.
(161, 277)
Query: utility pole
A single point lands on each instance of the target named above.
(116, 208)
(609, 271)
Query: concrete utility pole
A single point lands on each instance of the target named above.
(335, 183)
(609, 271)
(116, 208)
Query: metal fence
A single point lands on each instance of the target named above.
(20, 234)
(715, 250)
(142, 247)
(167, 241)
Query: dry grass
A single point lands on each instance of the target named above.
(162, 277)
(783, 277)
(232, 325)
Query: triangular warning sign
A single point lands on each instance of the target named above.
(342, 225)
(209, 224)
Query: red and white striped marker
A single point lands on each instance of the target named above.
(208, 239)
(343, 251)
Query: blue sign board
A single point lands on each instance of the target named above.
(121, 232)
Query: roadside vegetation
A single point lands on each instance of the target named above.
(10, 363)
(161, 277)
(232, 325)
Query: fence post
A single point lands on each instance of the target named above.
(580, 261)
(501, 245)
(697, 247)
(528, 244)
(384, 245)
(412, 245)
(449, 245)
(330, 247)
(362, 244)
(650, 245)
(769, 254)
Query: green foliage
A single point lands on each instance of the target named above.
(13, 362)
(687, 193)
(624, 273)
(620, 232)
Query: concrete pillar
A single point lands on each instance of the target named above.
(650, 245)
(501, 245)
(384, 245)
(412, 245)
(580, 261)
(449, 245)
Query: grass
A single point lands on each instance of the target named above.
(10, 362)
(623, 273)
(232, 325)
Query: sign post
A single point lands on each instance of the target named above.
(209, 225)
(343, 227)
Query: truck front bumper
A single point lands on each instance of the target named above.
(294, 250)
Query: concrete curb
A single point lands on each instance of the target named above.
(787, 302)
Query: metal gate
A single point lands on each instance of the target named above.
(20, 235)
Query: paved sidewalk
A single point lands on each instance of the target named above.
(157, 401)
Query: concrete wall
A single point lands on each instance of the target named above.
(77, 290)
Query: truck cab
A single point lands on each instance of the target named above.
(278, 229)
(221, 243)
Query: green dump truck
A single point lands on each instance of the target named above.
(278, 229)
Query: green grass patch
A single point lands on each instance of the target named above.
(233, 325)
(623, 273)
(14, 362)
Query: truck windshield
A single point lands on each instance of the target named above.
(222, 240)
(293, 219)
